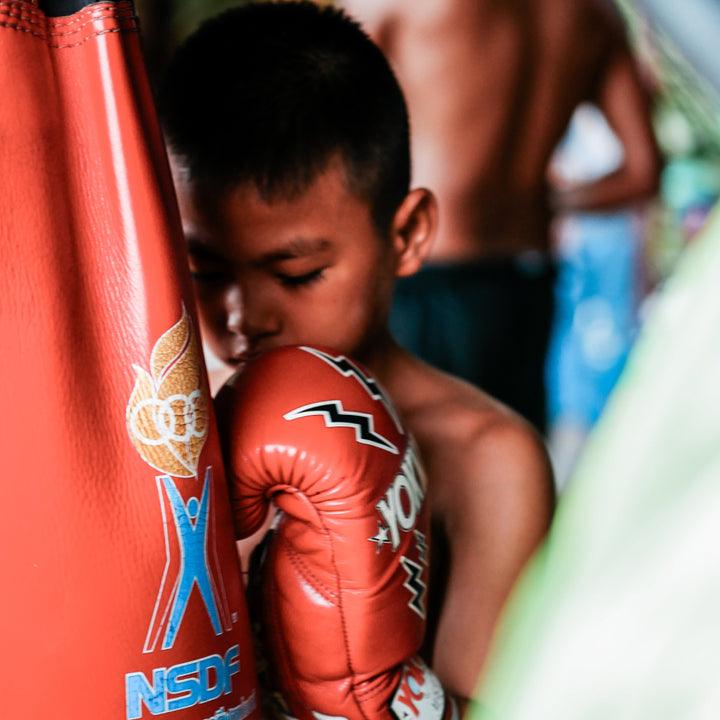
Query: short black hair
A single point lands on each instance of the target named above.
(271, 92)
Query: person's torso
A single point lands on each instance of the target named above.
(490, 88)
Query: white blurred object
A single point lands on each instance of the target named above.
(694, 26)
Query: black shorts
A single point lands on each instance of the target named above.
(487, 321)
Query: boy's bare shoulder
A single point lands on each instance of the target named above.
(444, 409)
(468, 438)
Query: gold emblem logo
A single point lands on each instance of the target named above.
(167, 414)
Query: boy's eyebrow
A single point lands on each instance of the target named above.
(295, 248)
(200, 249)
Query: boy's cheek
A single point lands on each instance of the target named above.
(209, 303)
(212, 320)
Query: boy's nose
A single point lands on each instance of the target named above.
(233, 309)
(256, 321)
(246, 315)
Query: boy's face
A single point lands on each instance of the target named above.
(311, 270)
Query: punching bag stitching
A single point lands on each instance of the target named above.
(109, 13)
(21, 29)
(22, 15)
(122, 13)
(24, 9)
(92, 10)
(90, 37)
(35, 18)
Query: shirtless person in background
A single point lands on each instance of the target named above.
(491, 87)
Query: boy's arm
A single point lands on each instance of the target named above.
(347, 559)
(502, 505)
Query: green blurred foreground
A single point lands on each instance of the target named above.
(619, 614)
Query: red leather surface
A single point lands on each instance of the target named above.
(343, 586)
(113, 562)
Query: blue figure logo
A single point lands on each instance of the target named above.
(192, 525)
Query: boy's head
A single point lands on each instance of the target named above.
(268, 93)
(288, 136)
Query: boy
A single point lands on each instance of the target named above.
(289, 140)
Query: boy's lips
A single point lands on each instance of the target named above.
(239, 354)
(243, 357)
(248, 353)
(239, 359)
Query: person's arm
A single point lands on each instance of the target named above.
(502, 509)
(624, 101)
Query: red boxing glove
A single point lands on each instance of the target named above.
(342, 588)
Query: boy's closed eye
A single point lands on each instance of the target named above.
(207, 277)
(294, 280)
(299, 262)
(206, 270)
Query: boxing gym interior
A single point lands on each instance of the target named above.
(359, 359)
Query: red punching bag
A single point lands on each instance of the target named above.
(121, 594)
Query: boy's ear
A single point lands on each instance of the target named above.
(413, 230)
